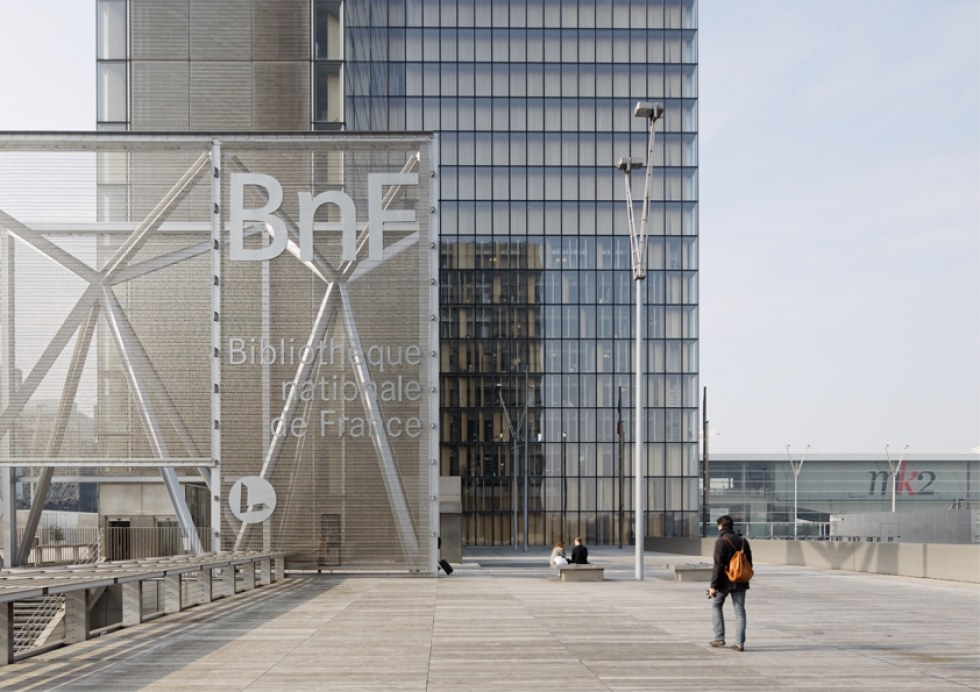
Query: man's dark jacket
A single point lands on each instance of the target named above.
(580, 555)
(723, 555)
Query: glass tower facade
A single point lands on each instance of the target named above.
(532, 102)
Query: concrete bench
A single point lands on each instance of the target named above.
(694, 572)
(580, 572)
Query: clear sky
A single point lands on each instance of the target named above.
(840, 224)
(839, 158)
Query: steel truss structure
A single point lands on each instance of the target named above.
(155, 295)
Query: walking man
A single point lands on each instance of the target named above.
(721, 586)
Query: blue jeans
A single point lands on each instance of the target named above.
(718, 618)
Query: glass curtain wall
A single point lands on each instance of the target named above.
(112, 85)
(533, 104)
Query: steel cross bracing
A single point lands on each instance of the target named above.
(99, 300)
(325, 320)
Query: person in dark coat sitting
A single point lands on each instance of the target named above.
(580, 554)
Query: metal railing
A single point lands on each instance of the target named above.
(127, 543)
(81, 546)
(57, 546)
(804, 531)
(34, 631)
(201, 579)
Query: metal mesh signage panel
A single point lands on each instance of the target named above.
(256, 308)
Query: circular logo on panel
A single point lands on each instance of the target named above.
(257, 501)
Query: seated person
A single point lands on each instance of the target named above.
(580, 554)
(558, 556)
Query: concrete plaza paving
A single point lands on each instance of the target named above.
(502, 621)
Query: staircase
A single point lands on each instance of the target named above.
(36, 619)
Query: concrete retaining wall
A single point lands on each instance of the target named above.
(955, 562)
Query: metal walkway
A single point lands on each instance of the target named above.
(502, 621)
(214, 576)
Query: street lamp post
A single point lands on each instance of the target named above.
(527, 392)
(893, 471)
(706, 432)
(515, 429)
(652, 112)
(797, 467)
(622, 463)
(564, 486)
(706, 475)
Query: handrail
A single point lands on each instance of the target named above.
(18, 584)
(26, 636)
(238, 572)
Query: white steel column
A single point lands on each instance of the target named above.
(215, 485)
(6, 389)
(435, 520)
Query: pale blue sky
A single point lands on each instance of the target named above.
(840, 224)
(840, 210)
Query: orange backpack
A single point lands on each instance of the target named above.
(739, 571)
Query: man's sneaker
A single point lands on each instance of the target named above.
(735, 647)
(717, 643)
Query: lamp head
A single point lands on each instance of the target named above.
(628, 164)
(648, 109)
